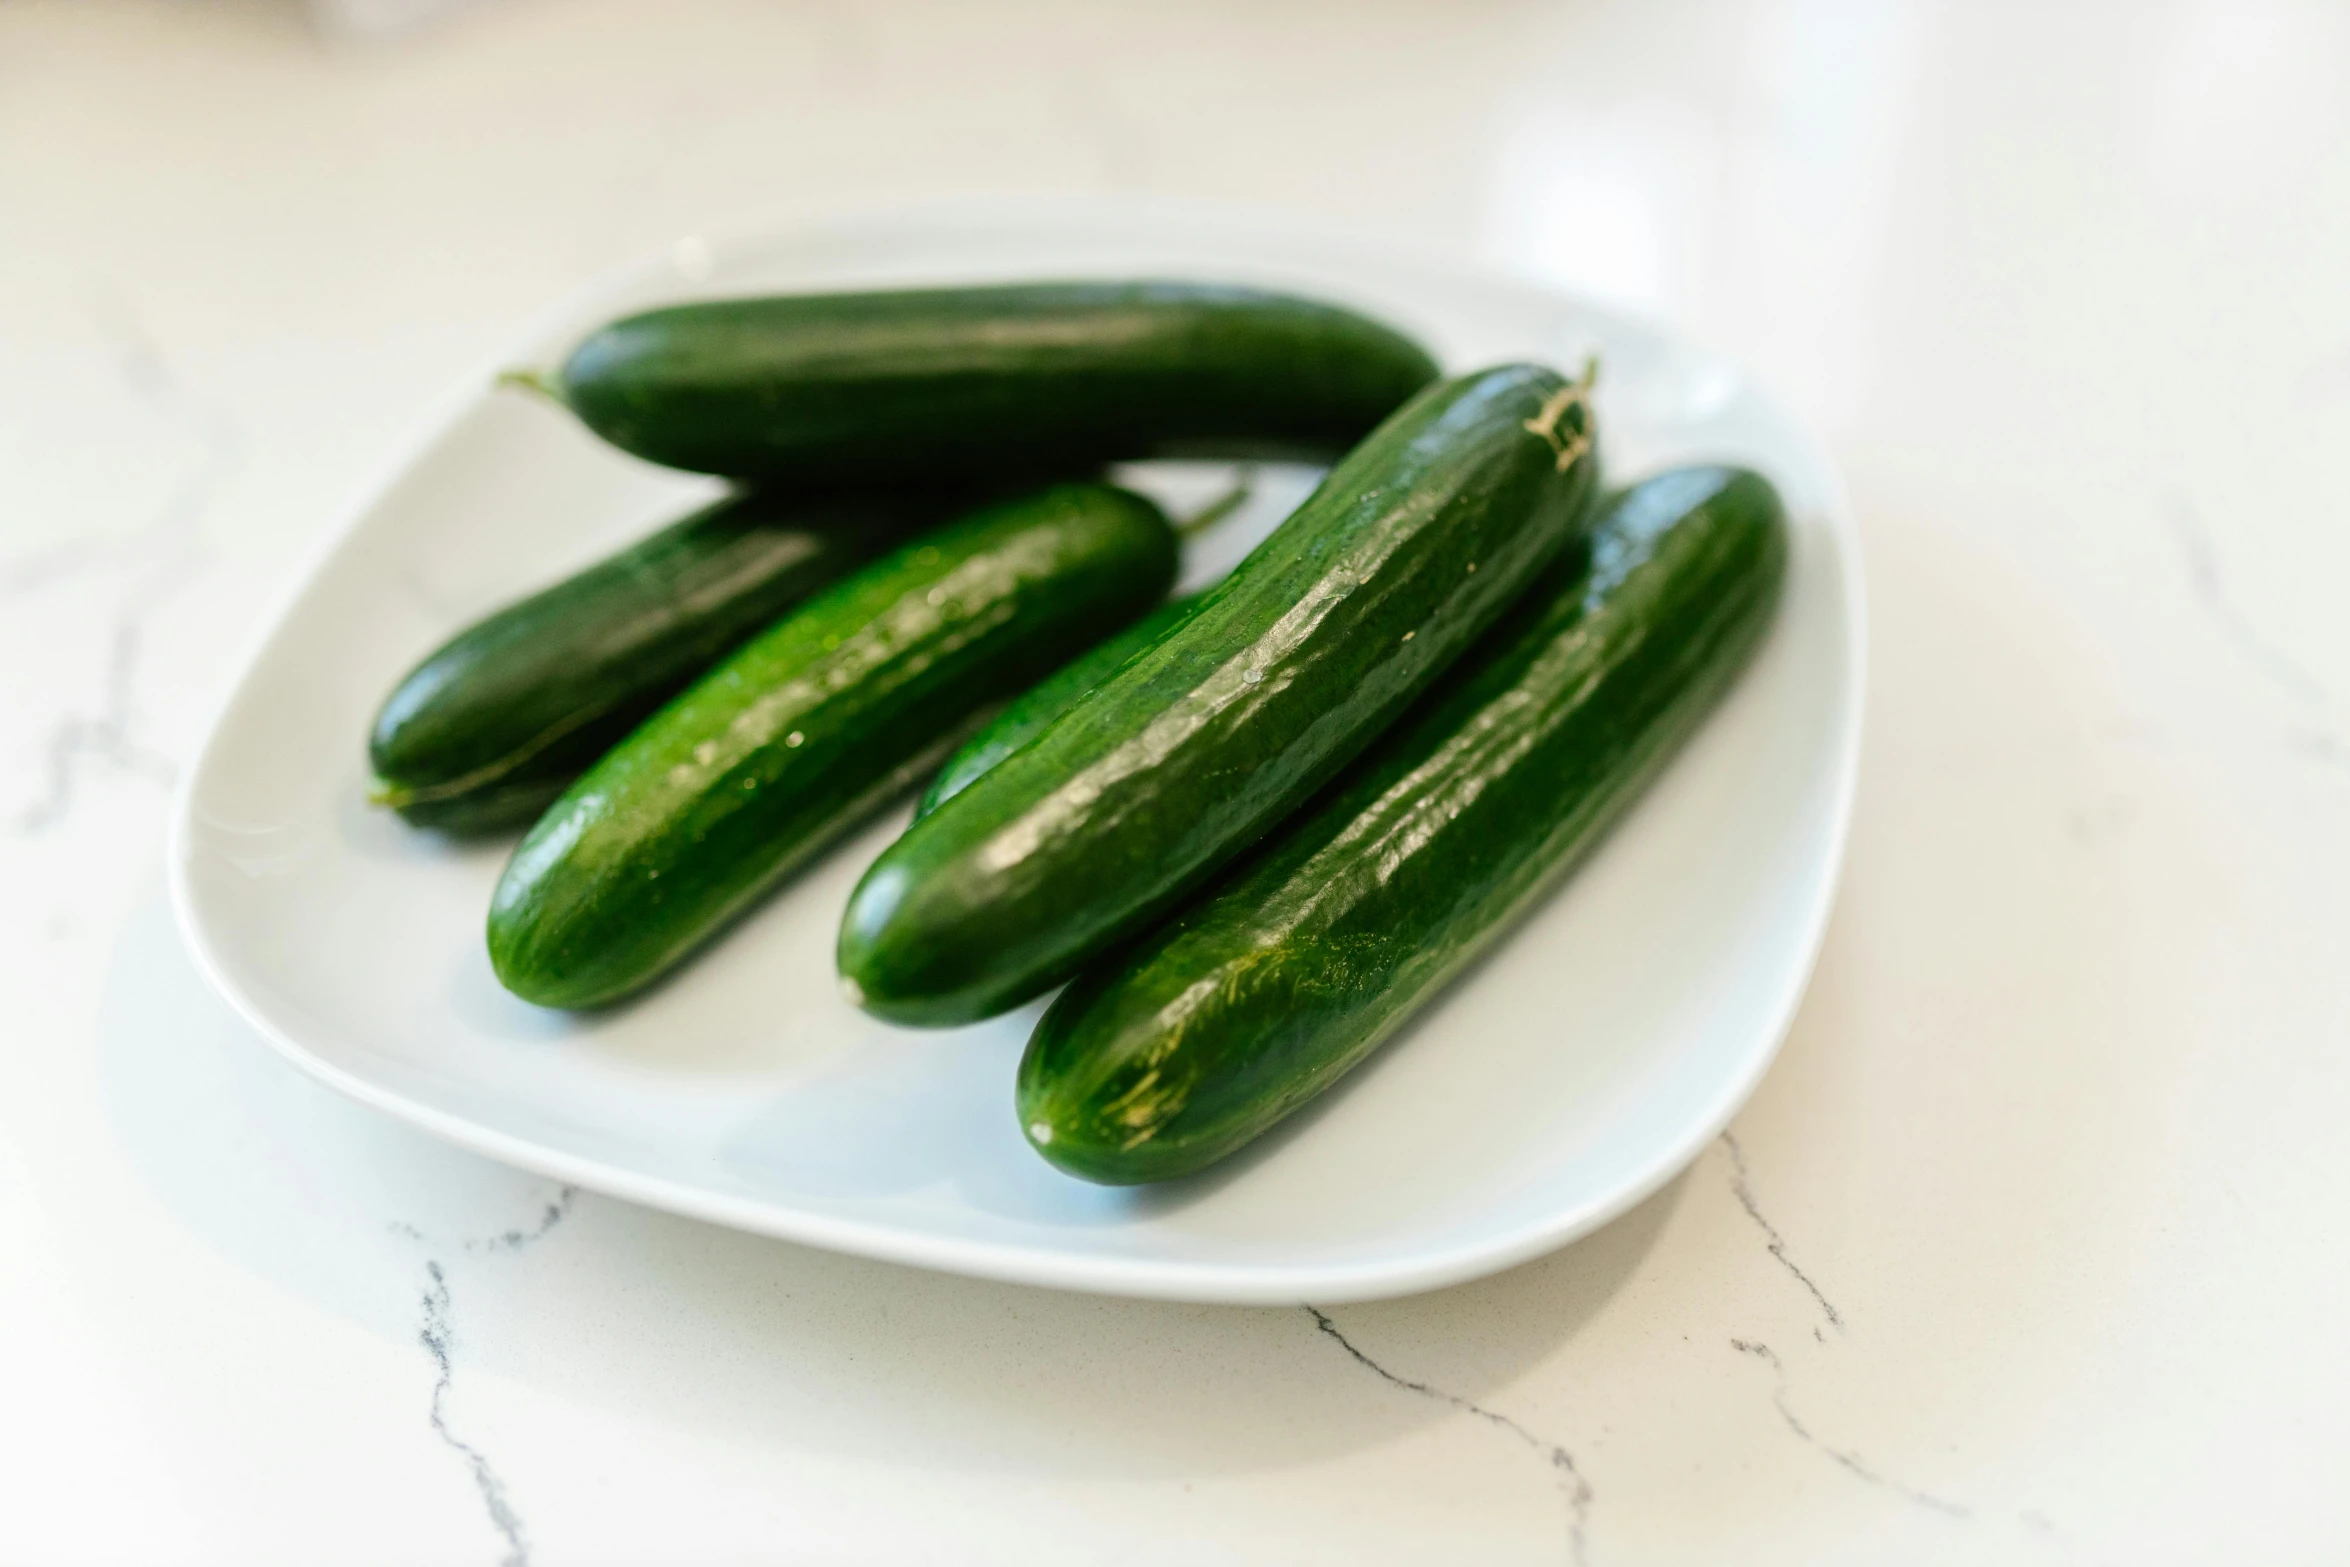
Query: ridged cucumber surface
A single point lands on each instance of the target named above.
(497, 721)
(1035, 710)
(1412, 546)
(806, 729)
(1047, 378)
(1260, 995)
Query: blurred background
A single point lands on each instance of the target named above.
(2083, 235)
(2061, 284)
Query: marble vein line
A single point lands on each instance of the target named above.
(557, 1209)
(1850, 1462)
(552, 1212)
(1570, 1479)
(170, 550)
(437, 1335)
(2203, 576)
(1742, 1188)
(104, 737)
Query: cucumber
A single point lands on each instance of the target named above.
(838, 389)
(807, 728)
(1032, 712)
(1414, 544)
(1261, 994)
(497, 721)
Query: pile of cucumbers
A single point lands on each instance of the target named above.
(1250, 833)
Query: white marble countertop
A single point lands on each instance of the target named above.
(2028, 1249)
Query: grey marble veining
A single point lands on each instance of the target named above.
(2023, 1251)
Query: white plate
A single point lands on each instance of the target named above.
(1567, 1077)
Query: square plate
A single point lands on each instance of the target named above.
(1566, 1077)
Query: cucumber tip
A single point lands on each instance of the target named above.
(534, 381)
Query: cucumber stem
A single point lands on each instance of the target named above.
(531, 381)
(1576, 394)
(1223, 506)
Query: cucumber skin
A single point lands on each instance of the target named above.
(1259, 996)
(836, 389)
(1412, 546)
(808, 728)
(1034, 711)
(489, 728)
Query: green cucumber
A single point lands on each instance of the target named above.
(1412, 546)
(838, 389)
(1033, 711)
(497, 721)
(1260, 995)
(806, 729)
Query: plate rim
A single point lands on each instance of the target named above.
(1196, 1282)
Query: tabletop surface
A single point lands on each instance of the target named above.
(2029, 1247)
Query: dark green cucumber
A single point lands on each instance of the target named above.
(1412, 546)
(490, 728)
(1033, 711)
(1258, 996)
(820, 389)
(806, 729)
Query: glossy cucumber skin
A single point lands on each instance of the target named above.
(1034, 710)
(807, 728)
(1412, 546)
(497, 721)
(1258, 996)
(822, 389)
